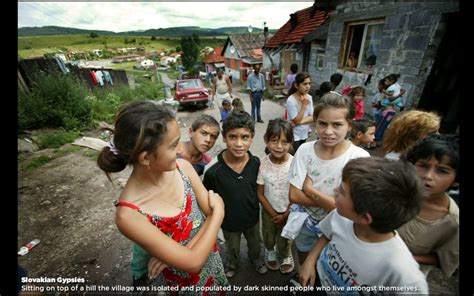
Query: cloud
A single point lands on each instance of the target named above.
(128, 16)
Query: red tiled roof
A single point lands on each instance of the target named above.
(305, 25)
(214, 57)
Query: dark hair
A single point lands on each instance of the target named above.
(276, 127)
(334, 100)
(361, 125)
(439, 146)
(294, 68)
(237, 103)
(225, 102)
(139, 126)
(336, 78)
(393, 77)
(238, 118)
(204, 119)
(390, 191)
(326, 87)
(299, 78)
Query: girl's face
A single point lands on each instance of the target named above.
(165, 156)
(358, 97)
(303, 87)
(332, 126)
(388, 82)
(278, 146)
(437, 176)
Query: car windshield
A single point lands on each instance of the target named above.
(189, 84)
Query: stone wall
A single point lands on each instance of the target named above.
(411, 34)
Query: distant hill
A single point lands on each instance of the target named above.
(166, 32)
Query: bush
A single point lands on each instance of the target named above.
(56, 139)
(55, 100)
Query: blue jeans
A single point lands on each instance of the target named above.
(256, 100)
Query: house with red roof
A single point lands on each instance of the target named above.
(214, 60)
(241, 52)
(418, 40)
(289, 45)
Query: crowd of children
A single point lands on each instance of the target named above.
(378, 219)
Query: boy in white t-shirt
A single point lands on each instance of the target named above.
(360, 250)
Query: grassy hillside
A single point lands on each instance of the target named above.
(39, 45)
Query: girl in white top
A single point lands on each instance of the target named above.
(300, 108)
(272, 191)
(317, 166)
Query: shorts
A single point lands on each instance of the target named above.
(305, 240)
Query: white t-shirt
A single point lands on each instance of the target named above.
(300, 132)
(325, 174)
(274, 177)
(352, 264)
(394, 89)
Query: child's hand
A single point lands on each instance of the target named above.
(155, 267)
(279, 219)
(215, 202)
(307, 274)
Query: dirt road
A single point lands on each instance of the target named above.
(68, 205)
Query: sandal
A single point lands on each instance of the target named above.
(271, 259)
(287, 264)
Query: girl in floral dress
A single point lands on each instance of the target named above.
(164, 208)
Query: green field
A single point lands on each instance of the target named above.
(39, 45)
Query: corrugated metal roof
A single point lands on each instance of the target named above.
(306, 24)
(246, 43)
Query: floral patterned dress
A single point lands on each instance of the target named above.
(182, 228)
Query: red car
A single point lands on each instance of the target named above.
(191, 92)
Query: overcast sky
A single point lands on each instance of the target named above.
(130, 16)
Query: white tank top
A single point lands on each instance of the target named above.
(221, 85)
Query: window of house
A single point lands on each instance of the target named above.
(320, 54)
(361, 44)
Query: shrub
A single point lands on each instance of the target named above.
(55, 100)
(56, 139)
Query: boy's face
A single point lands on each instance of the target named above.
(344, 204)
(436, 176)
(238, 141)
(367, 137)
(204, 137)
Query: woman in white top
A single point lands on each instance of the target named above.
(300, 108)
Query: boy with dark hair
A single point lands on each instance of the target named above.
(336, 78)
(233, 174)
(203, 134)
(363, 131)
(360, 247)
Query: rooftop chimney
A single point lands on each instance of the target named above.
(293, 20)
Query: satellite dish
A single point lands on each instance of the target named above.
(250, 29)
(232, 49)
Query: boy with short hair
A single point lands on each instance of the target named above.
(203, 134)
(360, 247)
(226, 108)
(233, 174)
(363, 132)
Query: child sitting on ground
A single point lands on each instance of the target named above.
(433, 236)
(359, 247)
